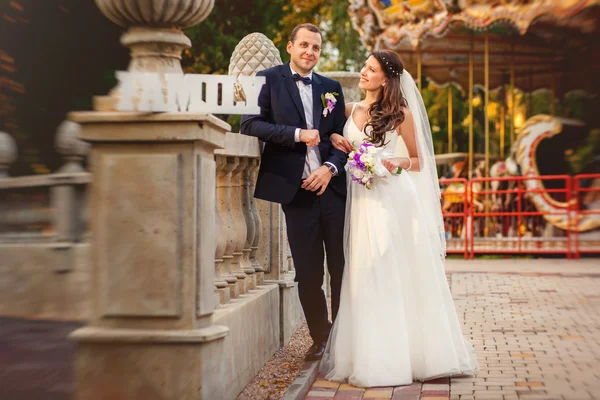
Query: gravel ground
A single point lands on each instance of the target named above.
(281, 370)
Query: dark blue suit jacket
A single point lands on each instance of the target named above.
(281, 112)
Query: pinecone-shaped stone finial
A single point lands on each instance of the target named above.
(254, 53)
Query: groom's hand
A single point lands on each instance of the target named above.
(318, 180)
(310, 136)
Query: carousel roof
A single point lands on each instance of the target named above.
(551, 44)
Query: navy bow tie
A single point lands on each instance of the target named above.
(306, 80)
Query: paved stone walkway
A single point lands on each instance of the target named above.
(536, 329)
(536, 333)
(36, 360)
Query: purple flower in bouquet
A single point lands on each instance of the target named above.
(364, 164)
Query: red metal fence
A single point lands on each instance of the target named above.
(586, 211)
(455, 208)
(522, 215)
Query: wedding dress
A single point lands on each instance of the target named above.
(397, 321)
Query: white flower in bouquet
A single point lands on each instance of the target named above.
(358, 174)
(372, 150)
(367, 159)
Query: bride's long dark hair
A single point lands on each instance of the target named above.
(386, 113)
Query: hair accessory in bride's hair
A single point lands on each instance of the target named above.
(393, 71)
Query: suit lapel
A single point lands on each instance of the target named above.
(293, 90)
(317, 90)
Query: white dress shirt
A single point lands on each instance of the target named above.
(313, 157)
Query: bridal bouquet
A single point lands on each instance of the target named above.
(364, 164)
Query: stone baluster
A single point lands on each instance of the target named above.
(221, 271)
(8, 153)
(73, 150)
(284, 248)
(251, 184)
(247, 266)
(290, 261)
(228, 226)
(69, 194)
(240, 230)
(272, 237)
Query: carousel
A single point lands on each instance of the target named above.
(516, 196)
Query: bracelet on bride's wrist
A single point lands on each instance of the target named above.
(409, 164)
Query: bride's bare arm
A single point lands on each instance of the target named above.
(337, 140)
(407, 131)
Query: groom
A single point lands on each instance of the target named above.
(301, 170)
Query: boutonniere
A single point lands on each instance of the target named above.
(329, 101)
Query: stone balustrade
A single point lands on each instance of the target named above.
(53, 208)
(47, 208)
(184, 266)
(237, 219)
(44, 232)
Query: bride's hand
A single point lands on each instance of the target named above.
(340, 143)
(391, 164)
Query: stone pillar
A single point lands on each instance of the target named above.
(8, 153)
(153, 248)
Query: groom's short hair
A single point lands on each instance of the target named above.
(310, 27)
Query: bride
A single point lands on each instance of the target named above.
(397, 321)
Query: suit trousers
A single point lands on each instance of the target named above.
(315, 227)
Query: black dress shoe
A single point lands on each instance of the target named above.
(316, 351)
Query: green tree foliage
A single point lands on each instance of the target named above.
(342, 48)
(214, 40)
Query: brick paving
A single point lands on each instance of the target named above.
(537, 336)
